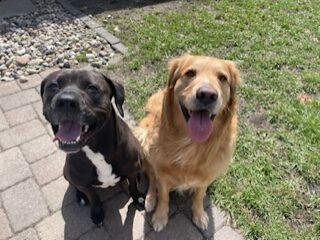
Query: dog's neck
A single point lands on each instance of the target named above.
(106, 139)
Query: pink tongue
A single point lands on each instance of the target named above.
(199, 126)
(68, 131)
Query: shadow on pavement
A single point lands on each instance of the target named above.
(94, 7)
(122, 219)
(124, 222)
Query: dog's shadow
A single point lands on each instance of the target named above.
(123, 221)
(121, 217)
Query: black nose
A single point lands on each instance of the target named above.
(67, 102)
(206, 95)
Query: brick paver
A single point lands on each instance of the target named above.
(19, 99)
(49, 168)
(3, 121)
(7, 88)
(13, 168)
(69, 223)
(29, 234)
(21, 133)
(179, 228)
(96, 233)
(45, 73)
(20, 115)
(228, 233)
(37, 203)
(38, 148)
(5, 230)
(38, 108)
(58, 194)
(24, 204)
(32, 81)
(123, 221)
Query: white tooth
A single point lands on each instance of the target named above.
(86, 128)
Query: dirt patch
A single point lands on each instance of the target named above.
(259, 119)
(314, 189)
(120, 72)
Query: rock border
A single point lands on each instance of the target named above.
(96, 27)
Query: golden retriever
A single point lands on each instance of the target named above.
(189, 132)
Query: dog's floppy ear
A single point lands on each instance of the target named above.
(174, 68)
(50, 76)
(42, 87)
(117, 92)
(234, 83)
(235, 76)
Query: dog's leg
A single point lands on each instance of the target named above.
(97, 213)
(200, 217)
(138, 198)
(151, 198)
(160, 217)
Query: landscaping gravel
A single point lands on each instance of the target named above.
(47, 37)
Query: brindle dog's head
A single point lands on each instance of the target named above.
(77, 103)
(202, 88)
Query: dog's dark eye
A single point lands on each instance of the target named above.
(222, 77)
(53, 87)
(190, 73)
(93, 90)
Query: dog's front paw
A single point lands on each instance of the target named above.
(150, 203)
(97, 215)
(159, 222)
(201, 220)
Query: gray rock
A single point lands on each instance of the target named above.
(103, 53)
(90, 55)
(96, 64)
(6, 79)
(31, 71)
(3, 67)
(21, 51)
(23, 79)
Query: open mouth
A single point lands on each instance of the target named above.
(72, 135)
(199, 122)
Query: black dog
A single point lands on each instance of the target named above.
(101, 150)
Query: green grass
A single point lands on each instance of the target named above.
(269, 188)
(81, 57)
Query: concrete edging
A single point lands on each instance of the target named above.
(97, 27)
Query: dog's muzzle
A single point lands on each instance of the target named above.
(72, 130)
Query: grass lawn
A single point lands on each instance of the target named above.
(272, 189)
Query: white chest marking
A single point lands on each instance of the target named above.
(104, 170)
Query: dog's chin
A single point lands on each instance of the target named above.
(70, 147)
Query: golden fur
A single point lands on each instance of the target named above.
(174, 160)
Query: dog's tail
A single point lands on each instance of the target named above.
(147, 124)
(142, 135)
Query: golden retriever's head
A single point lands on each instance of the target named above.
(202, 88)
